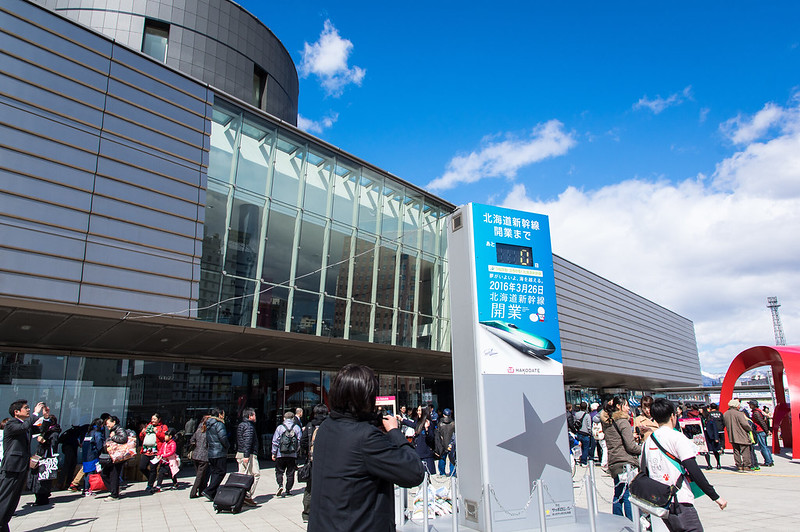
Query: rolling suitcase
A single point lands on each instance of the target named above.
(230, 496)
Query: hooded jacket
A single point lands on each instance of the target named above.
(444, 431)
(622, 447)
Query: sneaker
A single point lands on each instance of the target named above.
(719, 466)
(249, 502)
(279, 493)
(73, 487)
(756, 468)
(148, 489)
(88, 493)
(155, 490)
(112, 498)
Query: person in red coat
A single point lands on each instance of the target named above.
(152, 438)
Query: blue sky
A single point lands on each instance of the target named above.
(662, 140)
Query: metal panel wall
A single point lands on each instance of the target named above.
(103, 158)
(619, 336)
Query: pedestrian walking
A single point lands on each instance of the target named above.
(169, 462)
(670, 458)
(199, 455)
(285, 446)
(623, 452)
(762, 431)
(247, 454)
(737, 427)
(307, 447)
(111, 470)
(217, 444)
(152, 437)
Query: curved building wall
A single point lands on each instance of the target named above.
(216, 41)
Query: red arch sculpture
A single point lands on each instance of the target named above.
(781, 359)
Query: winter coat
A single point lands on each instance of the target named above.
(356, 465)
(622, 448)
(308, 434)
(276, 438)
(92, 445)
(246, 438)
(198, 439)
(760, 421)
(160, 430)
(737, 426)
(216, 438)
(444, 432)
(424, 441)
(117, 435)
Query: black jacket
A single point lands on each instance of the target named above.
(424, 442)
(17, 444)
(308, 433)
(216, 438)
(355, 467)
(444, 431)
(246, 439)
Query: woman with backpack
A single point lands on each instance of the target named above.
(285, 444)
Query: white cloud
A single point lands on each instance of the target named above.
(742, 130)
(710, 248)
(504, 158)
(327, 59)
(317, 126)
(658, 104)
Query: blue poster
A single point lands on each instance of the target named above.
(517, 319)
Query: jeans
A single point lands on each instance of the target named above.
(761, 436)
(443, 466)
(621, 499)
(585, 442)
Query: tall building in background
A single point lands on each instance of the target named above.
(171, 242)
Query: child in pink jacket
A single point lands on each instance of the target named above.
(170, 462)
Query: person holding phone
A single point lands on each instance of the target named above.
(16, 456)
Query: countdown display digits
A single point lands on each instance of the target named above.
(516, 255)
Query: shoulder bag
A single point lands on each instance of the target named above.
(304, 473)
(650, 495)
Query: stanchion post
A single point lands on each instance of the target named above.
(590, 501)
(454, 501)
(637, 522)
(540, 498)
(425, 504)
(488, 492)
(593, 480)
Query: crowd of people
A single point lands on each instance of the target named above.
(666, 440)
(92, 458)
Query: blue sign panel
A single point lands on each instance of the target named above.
(518, 322)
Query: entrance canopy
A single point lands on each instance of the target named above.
(782, 359)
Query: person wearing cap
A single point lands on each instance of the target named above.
(737, 426)
(444, 433)
(762, 429)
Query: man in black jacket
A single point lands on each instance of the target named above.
(16, 456)
(247, 455)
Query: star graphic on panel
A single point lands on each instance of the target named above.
(539, 443)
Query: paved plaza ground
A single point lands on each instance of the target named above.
(768, 499)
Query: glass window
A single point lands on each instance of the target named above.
(318, 181)
(280, 243)
(224, 128)
(253, 165)
(94, 385)
(236, 301)
(383, 325)
(327, 377)
(427, 285)
(391, 213)
(338, 267)
(244, 235)
(405, 329)
(259, 84)
(369, 199)
(432, 228)
(272, 306)
(309, 254)
(387, 260)
(156, 39)
(216, 220)
(344, 192)
(303, 389)
(388, 384)
(444, 335)
(408, 392)
(424, 331)
(304, 312)
(288, 169)
(412, 212)
(334, 311)
(34, 377)
(360, 321)
(363, 264)
(406, 282)
(208, 300)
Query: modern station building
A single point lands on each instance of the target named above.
(170, 241)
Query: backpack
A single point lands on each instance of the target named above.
(288, 442)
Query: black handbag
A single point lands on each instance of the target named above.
(304, 473)
(650, 491)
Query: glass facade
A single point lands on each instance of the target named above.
(299, 238)
(78, 389)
